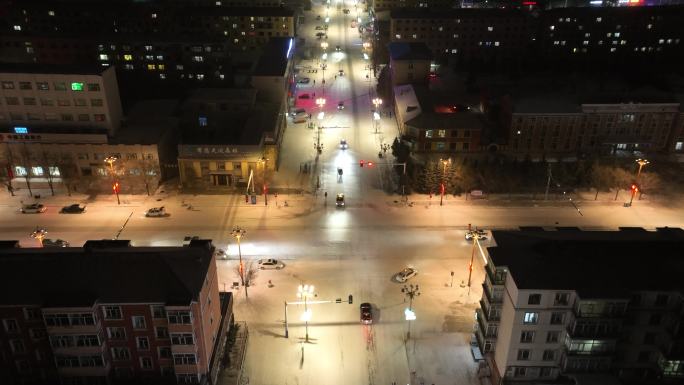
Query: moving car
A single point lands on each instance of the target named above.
(73, 209)
(156, 212)
(319, 28)
(300, 116)
(340, 73)
(337, 48)
(270, 264)
(343, 144)
(340, 106)
(339, 200)
(318, 17)
(35, 208)
(366, 313)
(55, 243)
(406, 274)
(481, 235)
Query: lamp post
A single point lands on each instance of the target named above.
(238, 233)
(642, 163)
(39, 233)
(115, 185)
(304, 292)
(377, 102)
(410, 291)
(442, 185)
(263, 161)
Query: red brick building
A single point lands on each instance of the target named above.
(111, 313)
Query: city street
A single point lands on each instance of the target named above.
(355, 250)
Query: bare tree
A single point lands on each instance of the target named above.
(6, 170)
(649, 181)
(68, 172)
(150, 173)
(49, 161)
(601, 177)
(26, 159)
(249, 274)
(620, 179)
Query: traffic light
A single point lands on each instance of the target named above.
(361, 163)
(351, 299)
(116, 187)
(634, 187)
(441, 188)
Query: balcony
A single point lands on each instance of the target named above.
(489, 296)
(181, 328)
(481, 322)
(74, 329)
(80, 350)
(80, 371)
(188, 349)
(486, 310)
(592, 334)
(492, 278)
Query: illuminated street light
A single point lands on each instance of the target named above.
(410, 291)
(320, 102)
(442, 186)
(377, 102)
(263, 162)
(366, 45)
(39, 233)
(304, 292)
(324, 45)
(115, 185)
(238, 233)
(642, 163)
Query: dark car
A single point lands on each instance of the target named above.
(366, 313)
(73, 209)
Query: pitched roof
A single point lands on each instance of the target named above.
(108, 273)
(597, 264)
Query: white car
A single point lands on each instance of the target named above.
(339, 200)
(270, 264)
(55, 243)
(156, 212)
(343, 144)
(340, 106)
(35, 208)
(481, 235)
(406, 274)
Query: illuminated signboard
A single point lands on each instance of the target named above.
(20, 130)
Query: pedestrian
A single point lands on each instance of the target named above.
(326, 195)
(314, 94)
(314, 81)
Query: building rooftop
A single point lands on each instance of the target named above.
(454, 13)
(429, 109)
(101, 272)
(275, 57)
(409, 51)
(147, 121)
(597, 264)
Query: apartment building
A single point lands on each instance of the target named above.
(436, 123)
(62, 97)
(466, 36)
(386, 5)
(409, 63)
(562, 303)
(75, 323)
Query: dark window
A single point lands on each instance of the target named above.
(655, 319)
(649, 338)
(534, 299)
(557, 318)
(661, 299)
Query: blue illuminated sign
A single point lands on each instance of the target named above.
(20, 130)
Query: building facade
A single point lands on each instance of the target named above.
(543, 314)
(157, 332)
(409, 63)
(41, 96)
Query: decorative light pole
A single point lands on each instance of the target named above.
(115, 185)
(642, 163)
(304, 292)
(39, 233)
(442, 186)
(238, 233)
(377, 102)
(263, 162)
(410, 291)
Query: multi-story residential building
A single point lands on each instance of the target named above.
(567, 125)
(466, 36)
(409, 63)
(59, 97)
(431, 122)
(230, 138)
(147, 40)
(568, 302)
(386, 5)
(74, 322)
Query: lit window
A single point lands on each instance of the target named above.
(553, 27)
(623, 42)
(617, 34)
(587, 34)
(128, 66)
(598, 20)
(148, 48)
(613, 49)
(236, 41)
(161, 66)
(243, 33)
(428, 133)
(415, 36)
(162, 76)
(530, 318)
(149, 57)
(77, 86)
(51, 13)
(128, 57)
(200, 76)
(17, 28)
(234, 25)
(104, 56)
(490, 29)
(37, 171)
(197, 59)
(151, 67)
(496, 43)
(454, 50)
(586, 42)
(203, 122)
(661, 41)
(179, 67)
(160, 57)
(154, 15)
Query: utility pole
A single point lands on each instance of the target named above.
(410, 291)
(238, 233)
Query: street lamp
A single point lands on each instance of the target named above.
(410, 291)
(263, 163)
(445, 162)
(366, 45)
(39, 233)
(324, 45)
(642, 163)
(238, 233)
(115, 185)
(304, 292)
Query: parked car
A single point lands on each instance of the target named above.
(481, 235)
(337, 48)
(73, 209)
(345, 11)
(320, 34)
(406, 274)
(366, 311)
(318, 17)
(319, 28)
(340, 106)
(35, 208)
(55, 243)
(299, 116)
(303, 80)
(343, 144)
(304, 96)
(270, 264)
(340, 73)
(189, 238)
(156, 212)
